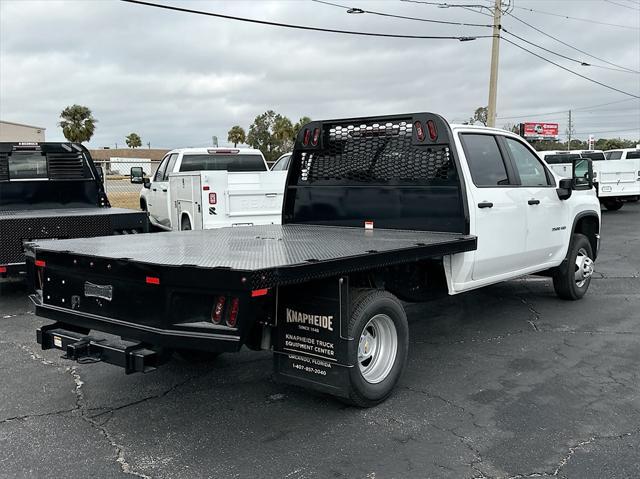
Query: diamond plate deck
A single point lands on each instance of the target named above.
(61, 212)
(260, 248)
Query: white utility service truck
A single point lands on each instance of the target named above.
(203, 188)
(616, 181)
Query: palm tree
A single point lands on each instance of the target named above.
(133, 140)
(236, 135)
(77, 123)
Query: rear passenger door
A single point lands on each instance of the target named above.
(547, 215)
(161, 190)
(498, 218)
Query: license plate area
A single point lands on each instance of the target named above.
(92, 290)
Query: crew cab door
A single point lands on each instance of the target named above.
(547, 215)
(498, 218)
(159, 206)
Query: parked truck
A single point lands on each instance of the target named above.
(202, 188)
(53, 190)
(376, 210)
(616, 181)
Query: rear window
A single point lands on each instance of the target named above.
(27, 165)
(484, 159)
(560, 158)
(613, 155)
(633, 155)
(222, 162)
(595, 155)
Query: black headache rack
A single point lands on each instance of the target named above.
(53, 191)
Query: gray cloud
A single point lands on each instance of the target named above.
(177, 79)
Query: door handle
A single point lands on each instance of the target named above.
(485, 204)
(534, 202)
(163, 190)
(153, 189)
(270, 195)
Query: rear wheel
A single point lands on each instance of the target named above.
(185, 224)
(571, 279)
(613, 205)
(379, 351)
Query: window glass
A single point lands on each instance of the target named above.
(581, 173)
(27, 165)
(160, 172)
(593, 155)
(170, 164)
(529, 166)
(484, 159)
(633, 155)
(614, 155)
(222, 162)
(282, 164)
(558, 158)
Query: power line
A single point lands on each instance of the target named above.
(304, 27)
(390, 15)
(570, 46)
(580, 62)
(583, 108)
(606, 131)
(579, 19)
(570, 71)
(469, 7)
(622, 5)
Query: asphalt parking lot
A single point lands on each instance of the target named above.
(508, 381)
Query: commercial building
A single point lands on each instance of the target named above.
(10, 131)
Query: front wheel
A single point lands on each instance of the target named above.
(572, 278)
(379, 350)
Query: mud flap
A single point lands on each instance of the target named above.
(311, 336)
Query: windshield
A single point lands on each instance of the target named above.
(222, 162)
(282, 164)
(560, 158)
(613, 155)
(594, 155)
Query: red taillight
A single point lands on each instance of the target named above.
(259, 292)
(153, 280)
(419, 130)
(216, 312)
(40, 264)
(233, 313)
(3, 269)
(433, 133)
(205, 188)
(307, 136)
(316, 136)
(213, 198)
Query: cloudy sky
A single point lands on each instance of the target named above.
(177, 79)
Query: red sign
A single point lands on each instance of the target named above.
(539, 131)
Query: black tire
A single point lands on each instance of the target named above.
(564, 278)
(196, 356)
(143, 205)
(368, 305)
(185, 224)
(613, 205)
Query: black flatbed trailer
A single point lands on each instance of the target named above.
(372, 207)
(53, 190)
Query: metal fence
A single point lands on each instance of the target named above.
(116, 172)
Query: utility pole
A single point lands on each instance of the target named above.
(149, 145)
(569, 129)
(493, 80)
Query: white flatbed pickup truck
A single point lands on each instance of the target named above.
(203, 188)
(376, 209)
(616, 181)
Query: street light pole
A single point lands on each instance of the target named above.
(493, 80)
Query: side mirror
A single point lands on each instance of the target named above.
(582, 174)
(137, 174)
(565, 186)
(100, 174)
(146, 183)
